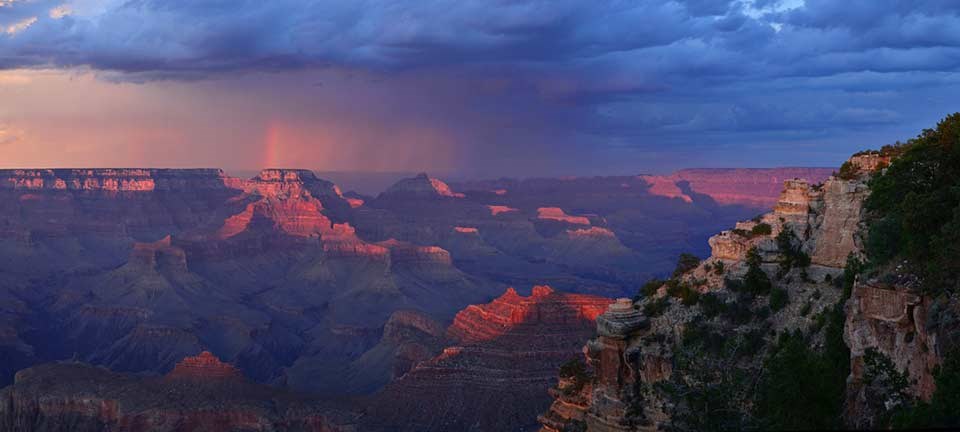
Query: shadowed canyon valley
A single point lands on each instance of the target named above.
(357, 312)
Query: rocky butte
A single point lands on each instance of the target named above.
(495, 373)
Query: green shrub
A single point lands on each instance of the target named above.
(712, 305)
(575, 426)
(650, 288)
(778, 299)
(573, 368)
(847, 171)
(755, 282)
(576, 371)
(655, 307)
(738, 312)
(688, 296)
(850, 272)
(685, 263)
(719, 267)
(801, 389)
(913, 206)
(791, 255)
(943, 411)
(761, 229)
(699, 334)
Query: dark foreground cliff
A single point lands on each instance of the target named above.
(201, 395)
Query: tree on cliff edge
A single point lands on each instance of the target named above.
(915, 207)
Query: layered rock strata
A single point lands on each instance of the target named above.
(497, 374)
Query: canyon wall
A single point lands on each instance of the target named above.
(495, 374)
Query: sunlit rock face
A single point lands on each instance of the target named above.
(421, 186)
(509, 313)
(757, 187)
(557, 214)
(203, 366)
(496, 374)
(295, 201)
(495, 209)
(837, 221)
(665, 187)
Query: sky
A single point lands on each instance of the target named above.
(479, 88)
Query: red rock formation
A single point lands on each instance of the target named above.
(341, 241)
(557, 214)
(204, 366)
(497, 376)
(498, 209)
(403, 252)
(592, 232)
(870, 162)
(285, 200)
(422, 186)
(665, 187)
(794, 199)
(480, 323)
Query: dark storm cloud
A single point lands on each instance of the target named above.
(618, 74)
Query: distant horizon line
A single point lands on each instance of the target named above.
(412, 171)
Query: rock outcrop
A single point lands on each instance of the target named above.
(203, 366)
(891, 320)
(496, 375)
(557, 214)
(607, 355)
(826, 218)
(421, 186)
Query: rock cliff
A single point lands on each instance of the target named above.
(652, 350)
(496, 373)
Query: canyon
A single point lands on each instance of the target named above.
(315, 293)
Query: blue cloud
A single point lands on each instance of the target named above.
(611, 70)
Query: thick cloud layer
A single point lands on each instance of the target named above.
(619, 80)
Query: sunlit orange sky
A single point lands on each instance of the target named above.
(76, 118)
(477, 88)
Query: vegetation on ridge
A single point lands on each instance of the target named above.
(915, 207)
